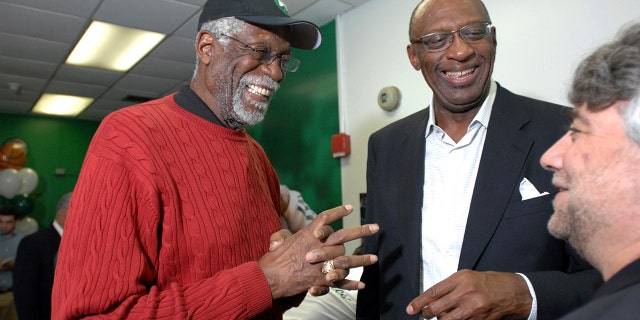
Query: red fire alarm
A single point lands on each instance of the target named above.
(340, 145)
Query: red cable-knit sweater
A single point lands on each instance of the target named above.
(168, 219)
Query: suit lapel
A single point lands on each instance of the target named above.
(410, 194)
(503, 156)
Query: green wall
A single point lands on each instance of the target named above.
(53, 143)
(296, 133)
(296, 136)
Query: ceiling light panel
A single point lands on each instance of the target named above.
(113, 47)
(61, 105)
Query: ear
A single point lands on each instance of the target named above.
(205, 46)
(495, 37)
(413, 57)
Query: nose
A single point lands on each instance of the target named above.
(274, 70)
(553, 158)
(459, 49)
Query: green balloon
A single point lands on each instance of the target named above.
(23, 203)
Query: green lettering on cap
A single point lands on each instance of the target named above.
(281, 6)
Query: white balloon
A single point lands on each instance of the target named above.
(29, 180)
(10, 183)
(26, 226)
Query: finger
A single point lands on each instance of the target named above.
(344, 263)
(350, 285)
(336, 275)
(348, 234)
(322, 232)
(331, 215)
(278, 238)
(433, 301)
(318, 290)
(324, 253)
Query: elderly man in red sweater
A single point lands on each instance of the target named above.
(176, 211)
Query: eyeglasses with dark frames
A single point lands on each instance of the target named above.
(471, 33)
(266, 56)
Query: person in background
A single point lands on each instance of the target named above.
(595, 166)
(35, 266)
(176, 210)
(295, 212)
(338, 303)
(457, 191)
(9, 241)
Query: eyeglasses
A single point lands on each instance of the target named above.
(438, 41)
(266, 56)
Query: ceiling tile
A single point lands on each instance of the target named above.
(28, 84)
(82, 8)
(25, 95)
(161, 68)
(322, 12)
(32, 48)
(27, 68)
(175, 48)
(295, 6)
(18, 107)
(70, 73)
(75, 89)
(52, 26)
(154, 15)
(152, 85)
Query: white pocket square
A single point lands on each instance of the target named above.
(529, 191)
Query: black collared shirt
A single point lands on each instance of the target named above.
(190, 101)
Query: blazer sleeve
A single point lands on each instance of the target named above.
(26, 279)
(558, 293)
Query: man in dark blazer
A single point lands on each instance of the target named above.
(510, 267)
(595, 165)
(35, 266)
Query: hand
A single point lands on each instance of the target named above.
(294, 262)
(7, 264)
(471, 294)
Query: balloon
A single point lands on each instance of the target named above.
(13, 153)
(9, 183)
(23, 203)
(3, 201)
(26, 226)
(29, 180)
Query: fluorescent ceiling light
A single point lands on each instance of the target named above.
(61, 105)
(112, 47)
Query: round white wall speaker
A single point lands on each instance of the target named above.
(389, 98)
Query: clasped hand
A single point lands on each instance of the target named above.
(293, 264)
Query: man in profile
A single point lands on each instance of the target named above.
(35, 266)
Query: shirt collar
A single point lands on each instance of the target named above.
(482, 117)
(13, 234)
(58, 227)
(187, 99)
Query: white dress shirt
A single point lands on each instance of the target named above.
(450, 175)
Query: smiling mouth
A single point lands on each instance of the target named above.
(260, 90)
(460, 74)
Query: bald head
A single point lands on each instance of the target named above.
(430, 7)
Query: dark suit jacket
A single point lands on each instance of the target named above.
(503, 233)
(618, 298)
(33, 274)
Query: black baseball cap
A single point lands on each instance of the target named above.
(305, 35)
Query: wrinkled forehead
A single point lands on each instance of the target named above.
(436, 14)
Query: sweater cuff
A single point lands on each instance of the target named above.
(258, 294)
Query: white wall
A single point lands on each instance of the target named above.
(539, 44)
